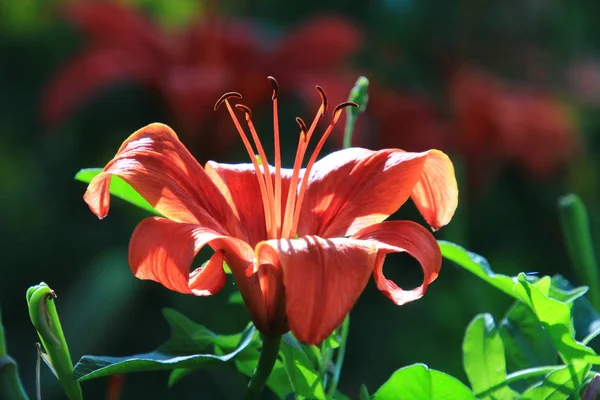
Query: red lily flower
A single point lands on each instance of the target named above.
(301, 243)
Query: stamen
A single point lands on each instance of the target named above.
(277, 154)
(337, 112)
(323, 98)
(301, 124)
(305, 136)
(259, 175)
(225, 97)
(267, 172)
(275, 87)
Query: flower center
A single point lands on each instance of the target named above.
(282, 222)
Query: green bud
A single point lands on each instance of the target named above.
(359, 95)
(55, 353)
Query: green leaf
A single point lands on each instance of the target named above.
(483, 359)
(526, 343)
(182, 350)
(118, 188)
(418, 382)
(302, 373)
(559, 384)
(479, 266)
(555, 317)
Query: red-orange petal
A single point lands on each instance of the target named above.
(403, 236)
(159, 167)
(436, 194)
(354, 188)
(323, 278)
(163, 250)
(239, 186)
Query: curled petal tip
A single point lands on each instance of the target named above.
(225, 97)
(275, 87)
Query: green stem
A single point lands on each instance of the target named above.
(348, 130)
(576, 231)
(520, 375)
(10, 384)
(266, 362)
(339, 360)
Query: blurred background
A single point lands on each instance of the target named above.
(510, 89)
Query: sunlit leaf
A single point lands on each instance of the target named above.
(182, 350)
(483, 359)
(526, 343)
(556, 320)
(479, 266)
(303, 376)
(559, 384)
(418, 382)
(118, 188)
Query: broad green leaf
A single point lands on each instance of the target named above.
(187, 348)
(303, 376)
(562, 290)
(554, 315)
(418, 382)
(586, 318)
(556, 320)
(526, 343)
(483, 359)
(479, 266)
(118, 188)
(559, 384)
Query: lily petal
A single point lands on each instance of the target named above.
(159, 167)
(163, 250)
(354, 188)
(436, 194)
(239, 186)
(403, 236)
(323, 278)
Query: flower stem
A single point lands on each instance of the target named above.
(10, 384)
(266, 362)
(339, 360)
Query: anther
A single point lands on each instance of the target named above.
(225, 97)
(323, 99)
(341, 106)
(275, 87)
(245, 109)
(301, 124)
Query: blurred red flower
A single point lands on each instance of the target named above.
(191, 68)
(496, 122)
